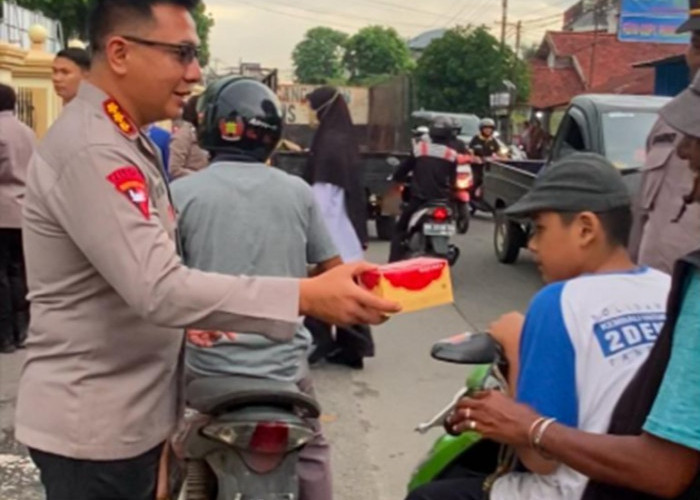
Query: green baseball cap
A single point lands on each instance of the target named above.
(581, 182)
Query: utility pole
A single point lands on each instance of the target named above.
(504, 24)
(518, 33)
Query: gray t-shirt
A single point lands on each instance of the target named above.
(254, 220)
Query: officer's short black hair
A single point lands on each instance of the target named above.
(108, 15)
(8, 98)
(79, 56)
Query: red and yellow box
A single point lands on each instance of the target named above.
(415, 284)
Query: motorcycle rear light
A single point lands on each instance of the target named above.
(440, 214)
(260, 437)
(270, 437)
(464, 181)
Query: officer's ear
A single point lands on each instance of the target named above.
(116, 53)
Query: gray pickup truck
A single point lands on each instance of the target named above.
(615, 126)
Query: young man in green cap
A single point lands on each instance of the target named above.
(585, 335)
(654, 451)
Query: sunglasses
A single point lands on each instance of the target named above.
(186, 53)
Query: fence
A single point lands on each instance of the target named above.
(15, 22)
(25, 107)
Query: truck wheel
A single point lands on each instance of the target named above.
(508, 239)
(386, 225)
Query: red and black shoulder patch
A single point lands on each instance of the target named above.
(131, 182)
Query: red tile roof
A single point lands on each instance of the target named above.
(609, 68)
(553, 87)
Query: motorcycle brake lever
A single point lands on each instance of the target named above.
(438, 420)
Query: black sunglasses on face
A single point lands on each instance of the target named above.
(185, 52)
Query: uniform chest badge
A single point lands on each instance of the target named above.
(130, 182)
(120, 118)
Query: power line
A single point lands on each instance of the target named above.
(340, 14)
(476, 8)
(402, 7)
(298, 16)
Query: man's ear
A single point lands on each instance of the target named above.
(116, 54)
(588, 228)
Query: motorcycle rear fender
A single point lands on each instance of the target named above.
(440, 244)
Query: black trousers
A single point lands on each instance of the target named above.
(466, 488)
(14, 308)
(69, 479)
(354, 340)
(396, 252)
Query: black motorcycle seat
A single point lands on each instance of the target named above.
(216, 395)
(468, 349)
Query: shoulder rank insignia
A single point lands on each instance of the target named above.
(120, 118)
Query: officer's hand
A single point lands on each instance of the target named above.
(336, 298)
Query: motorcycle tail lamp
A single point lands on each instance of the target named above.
(440, 214)
(260, 437)
(464, 181)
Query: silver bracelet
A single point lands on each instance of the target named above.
(540, 433)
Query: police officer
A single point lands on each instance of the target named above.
(664, 230)
(100, 390)
(434, 167)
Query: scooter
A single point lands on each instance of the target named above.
(243, 437)
(451, 456)
(429, 232)
(462, 196)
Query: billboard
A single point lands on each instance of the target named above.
(652, 21)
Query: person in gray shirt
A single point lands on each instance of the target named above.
(241, 217)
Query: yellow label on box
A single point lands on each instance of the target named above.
(415, 284)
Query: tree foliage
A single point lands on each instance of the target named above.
(318, 57)
(458, 71)
(375, 51)
(72, 14)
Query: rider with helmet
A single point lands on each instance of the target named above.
(434, 167)
(483, 145)
(241, 217)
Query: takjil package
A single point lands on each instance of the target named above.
(415, 284)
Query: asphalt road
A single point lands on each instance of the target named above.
(369, 415)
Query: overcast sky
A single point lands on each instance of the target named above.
(266, 31)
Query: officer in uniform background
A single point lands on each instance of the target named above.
(664, 229)
(100, 390)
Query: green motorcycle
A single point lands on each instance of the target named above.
(451, 456)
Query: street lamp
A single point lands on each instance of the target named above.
(502, 101)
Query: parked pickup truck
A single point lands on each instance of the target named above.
(615, 126)
(377, 168)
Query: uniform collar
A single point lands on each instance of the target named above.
(97, 98)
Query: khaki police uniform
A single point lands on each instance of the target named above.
(186, 157)
(661, 239)
(109, 294)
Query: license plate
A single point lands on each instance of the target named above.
(430, 229)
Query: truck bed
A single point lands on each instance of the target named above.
(506, 181)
